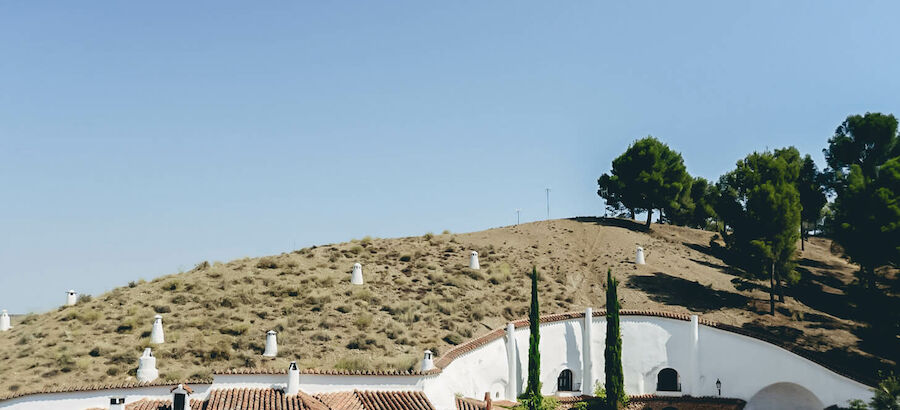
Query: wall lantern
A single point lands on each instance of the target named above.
(719, 386)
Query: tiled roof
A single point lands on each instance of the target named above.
(107, 386)
(376, 400)
(327, 372)
(260, 399)
(345, 400)
(465, 403)
(145, 404)
(401, 400)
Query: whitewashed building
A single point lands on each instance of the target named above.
(669, 360)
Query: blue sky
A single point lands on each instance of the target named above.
(140, 138)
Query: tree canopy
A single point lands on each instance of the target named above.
(647, 176)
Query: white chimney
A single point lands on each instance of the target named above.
(271, 344)
(147, 367)
(71, 297)
(473, 261)
(512, 380)
(293, 384)
(4, 321)
(356, 277)
(116, 403)
(427, 361)
(156, 335)
(639, 256)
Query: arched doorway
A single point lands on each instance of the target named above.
(667, 380)
(784, 396)
(564, 381)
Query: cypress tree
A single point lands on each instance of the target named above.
(615, 383)
(533, 390)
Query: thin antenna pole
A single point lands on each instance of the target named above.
(518, 211)
(548, 203)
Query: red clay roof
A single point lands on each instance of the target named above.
(328, 372)
(260, 399)
(376, 400)
(109, 386)
(145, 404)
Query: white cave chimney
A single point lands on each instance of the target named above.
(4, 321)
(639, 256)
(71, 297)
(117, 403)
(147, 371)
(271, 344)
(356, 277)
(293, 384)
(427, 361)
(473, 261)
(156, 335)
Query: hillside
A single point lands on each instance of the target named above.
(418, 294)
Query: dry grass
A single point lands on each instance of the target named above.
(418, 295)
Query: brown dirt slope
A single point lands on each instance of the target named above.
(418, 294)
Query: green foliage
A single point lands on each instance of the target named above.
(761, 204)
(695, 205)
(648, 176)
(865, 140)
(532, 394)
(812, 194)
(536, 402)
(887, 394)
(615, 380)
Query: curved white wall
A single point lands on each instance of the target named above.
(744, 365)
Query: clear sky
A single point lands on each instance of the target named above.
(140, 138)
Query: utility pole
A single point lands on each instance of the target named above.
(548, 203)
(518, 211)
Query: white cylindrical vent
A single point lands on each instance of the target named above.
(117, 403)
(694, 355)
(473, 261)
(512, 381)
(71, 298)
(356, 277)
(4, 321)
(639, 256)
(271, 344)
(427, 361)
(293, 383)
(156, 334)
(147, 367)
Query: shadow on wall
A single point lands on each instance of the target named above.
(629, 224)
(672, 290)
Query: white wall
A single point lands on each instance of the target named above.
(649, 344)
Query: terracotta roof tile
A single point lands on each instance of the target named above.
(104, 386)
(145, 404)
(394, 400)
(465, 403)
(346, 400)
(327, 372)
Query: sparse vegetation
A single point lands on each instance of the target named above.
(216, 317)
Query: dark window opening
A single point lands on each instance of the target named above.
(564, 381)
(179, 402)
(667, 380)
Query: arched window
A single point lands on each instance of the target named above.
(667, 380)
(564, 381)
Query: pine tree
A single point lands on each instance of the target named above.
(615, 381)
(533, 389)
